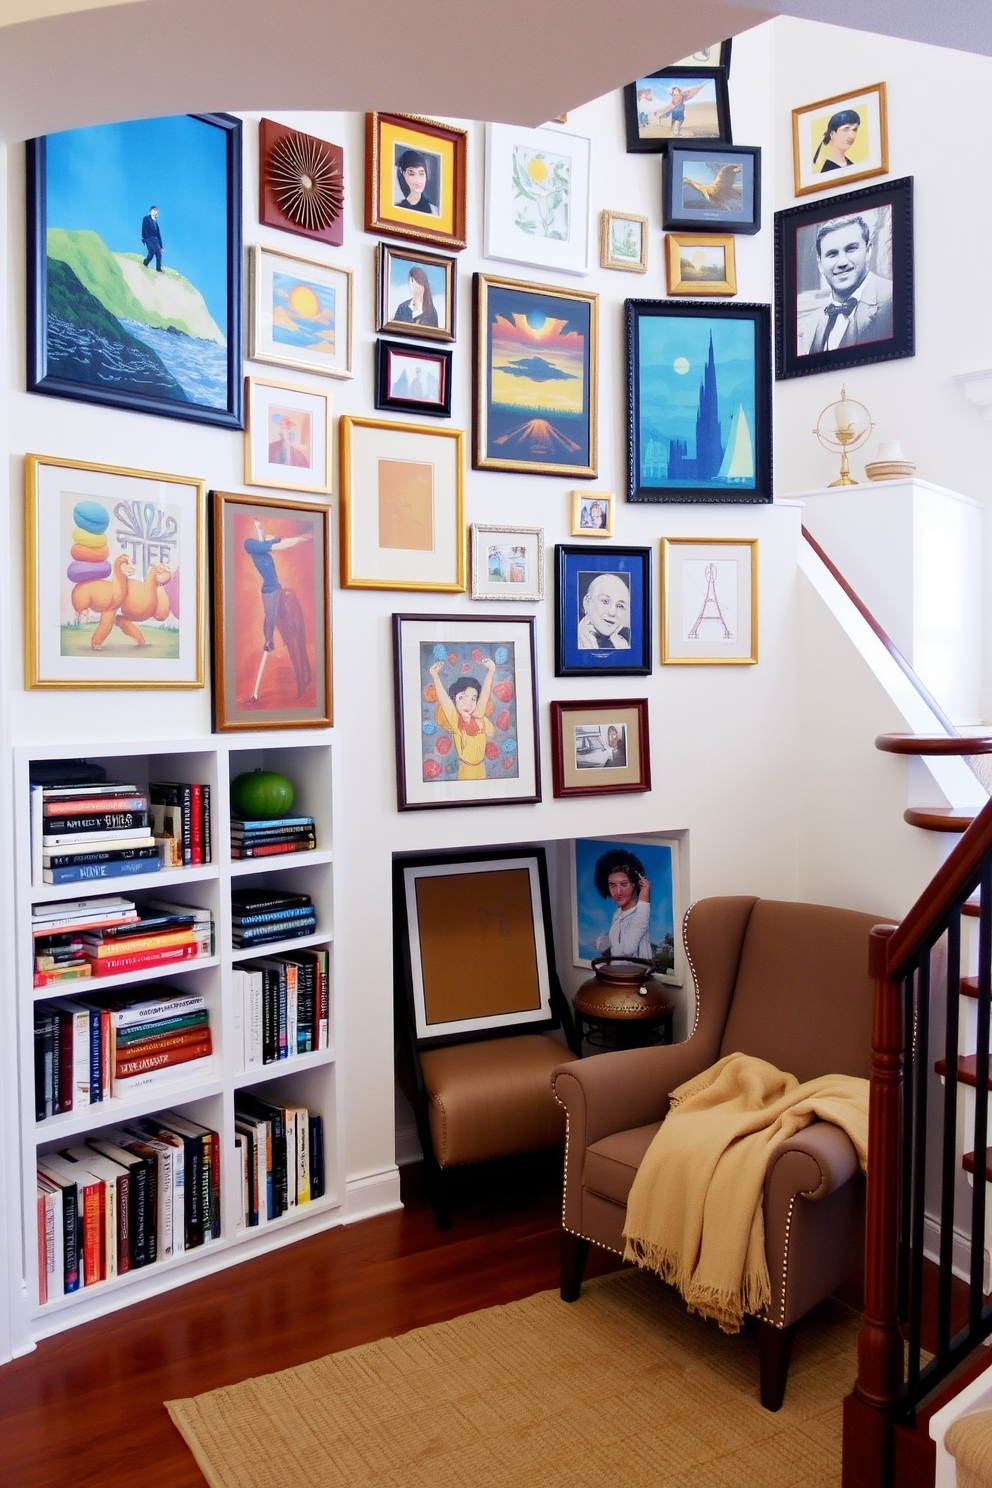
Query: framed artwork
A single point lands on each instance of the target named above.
(623, 242)
(287, 436)
(301, 313)
(600, 749)
(676, 103)
(497, 902)
(592, 513)
(271, 613)
(412, 379)
(627, 901)
(416, 293)
(300, 183)
(401, 506)
(106, 550)
(701, 264)
(508, 563)
(415, 179)
(699, 401)
(711, 186)
(709, 601)
(711, 56)
(844, 281)
(602, 611)
(537, 197)
(840, 140)
(466, 711)
(536, 373)
(134, 266)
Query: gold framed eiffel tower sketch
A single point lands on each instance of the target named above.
(709, 608)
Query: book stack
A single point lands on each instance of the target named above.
(181, 822)
(153, 939)
(281, 1151)
(82, 832)
(281, 1007)
(263, 915)
(130, 1196)
(58, 930)
(88, 1049)
(266, 839)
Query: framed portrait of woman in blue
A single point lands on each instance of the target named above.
(627, 897)
(134, 266)
(536, 368)
(699, 402)
(602, 611)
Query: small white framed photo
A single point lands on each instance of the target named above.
(623, 242)
(301, 313)
(592, 513)
(508, 563)
(287, 436)
(709, 601)
(537, 197)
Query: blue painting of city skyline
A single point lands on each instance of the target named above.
(696, 396)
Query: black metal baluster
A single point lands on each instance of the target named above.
(906, 1181)
(949, 1146)
(978, 1195)
(921, 1060)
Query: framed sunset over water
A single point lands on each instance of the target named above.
(300, 313)
(537, 350)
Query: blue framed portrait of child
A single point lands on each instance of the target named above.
(602, 611)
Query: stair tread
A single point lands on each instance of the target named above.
(934, 744)
(940, 818)
(966, 1069)
(968, 1163)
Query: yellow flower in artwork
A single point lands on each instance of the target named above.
(537, 170)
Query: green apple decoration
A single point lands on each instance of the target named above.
(261, 795)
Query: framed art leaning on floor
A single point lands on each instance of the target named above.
(271, 613)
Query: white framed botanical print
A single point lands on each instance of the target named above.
(537, 197)
(300, 313)
(709, 601)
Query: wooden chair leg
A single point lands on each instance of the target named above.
(438, 1191)
(574, 1251)
(774, 1353)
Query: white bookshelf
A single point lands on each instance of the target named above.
(208, 1095)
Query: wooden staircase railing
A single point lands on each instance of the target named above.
(892, 1379)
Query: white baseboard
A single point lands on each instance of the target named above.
(367, 1194)
(960, 1254)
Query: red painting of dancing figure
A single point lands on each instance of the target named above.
(271, 613)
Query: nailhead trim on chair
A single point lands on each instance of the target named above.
(564, 1188)
(688, 957)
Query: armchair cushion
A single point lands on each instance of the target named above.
(612, 1162)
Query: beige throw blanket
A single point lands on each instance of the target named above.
(694, 1213)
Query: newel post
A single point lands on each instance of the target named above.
(868, 1410)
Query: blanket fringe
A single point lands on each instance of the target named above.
(727, 1309)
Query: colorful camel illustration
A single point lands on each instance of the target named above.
(145, 599)
(103, 597)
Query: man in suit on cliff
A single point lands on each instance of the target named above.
(151, 236)
(854, 306)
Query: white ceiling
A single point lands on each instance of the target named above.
(70, 62)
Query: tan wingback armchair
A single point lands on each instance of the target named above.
(785, 982)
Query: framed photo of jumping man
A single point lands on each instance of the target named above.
(691, 103)
(844, 281)
(271, 613)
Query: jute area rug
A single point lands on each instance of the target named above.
(622, 1389)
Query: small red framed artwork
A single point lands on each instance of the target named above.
(600, 748)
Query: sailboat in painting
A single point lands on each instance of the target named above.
(738, 460)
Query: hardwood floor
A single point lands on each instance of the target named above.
(86, 1407)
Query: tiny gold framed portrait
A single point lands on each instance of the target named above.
(592, 513)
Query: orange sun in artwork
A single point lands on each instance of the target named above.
(303, 302)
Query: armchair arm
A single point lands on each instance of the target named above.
(614, 1092)
(814, 1219)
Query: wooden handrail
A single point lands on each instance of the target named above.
(948, 884)
(883, 636)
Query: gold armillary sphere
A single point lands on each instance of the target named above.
(306, 181)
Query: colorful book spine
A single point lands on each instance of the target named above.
(122, 947)
(165, 1059)
(84, 872)
(114, 965)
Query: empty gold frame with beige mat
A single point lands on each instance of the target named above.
(477, 1006)
(621, 1388)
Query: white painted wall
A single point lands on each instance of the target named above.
(769, 768)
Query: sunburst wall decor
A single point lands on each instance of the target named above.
(301, 185)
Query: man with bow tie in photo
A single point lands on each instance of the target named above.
(855, 304)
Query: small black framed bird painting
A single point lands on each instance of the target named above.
(707, 185)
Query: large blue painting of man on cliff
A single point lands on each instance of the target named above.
(136, 255)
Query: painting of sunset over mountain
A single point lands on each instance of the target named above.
(538, 382)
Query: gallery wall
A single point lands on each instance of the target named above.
(737, 752)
